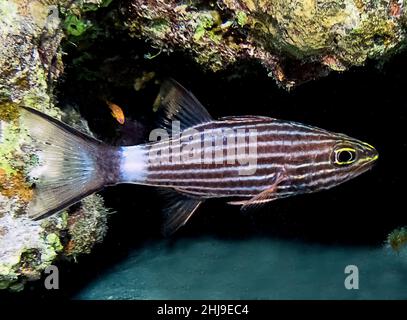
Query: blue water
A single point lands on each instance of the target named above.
(250, 269)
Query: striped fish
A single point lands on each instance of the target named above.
(250, 160)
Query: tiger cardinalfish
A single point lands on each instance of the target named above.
(288, 158)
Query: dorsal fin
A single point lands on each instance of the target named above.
(178, 104)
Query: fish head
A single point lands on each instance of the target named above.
(348, 158)
(352, 157)
(326, 160)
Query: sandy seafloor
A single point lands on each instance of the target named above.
(256, 268)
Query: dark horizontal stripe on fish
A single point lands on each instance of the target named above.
(242, 185)
(267, 134)
(231, 182)
(211, 173)
(259, 146)
(262, 156)
(263, 124)
(238, 181)
(208, 171)
(271, 144)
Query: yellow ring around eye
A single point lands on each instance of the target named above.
(350, 150)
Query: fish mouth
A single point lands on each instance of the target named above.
(369, 161)
(371, 155)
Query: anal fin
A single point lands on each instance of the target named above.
(179, 210)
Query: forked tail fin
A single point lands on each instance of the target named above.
(72, 165)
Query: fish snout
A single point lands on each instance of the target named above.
(372, 154)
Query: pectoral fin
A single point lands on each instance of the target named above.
(263, 197)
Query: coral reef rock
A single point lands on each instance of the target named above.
(296, 40)
(30, 63)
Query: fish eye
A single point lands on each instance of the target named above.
(345, 156)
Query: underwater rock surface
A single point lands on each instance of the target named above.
(257, 268)
(30, 62)
(28, 247)
(296, 40)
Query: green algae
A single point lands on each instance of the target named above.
(74, 26)
(397, 239)
(242, 18)
(9, 145)
(204, 23)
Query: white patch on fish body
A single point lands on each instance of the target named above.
(133, 164)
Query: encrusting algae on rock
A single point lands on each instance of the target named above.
(30, 62)
(27, 247)
(296, 40)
